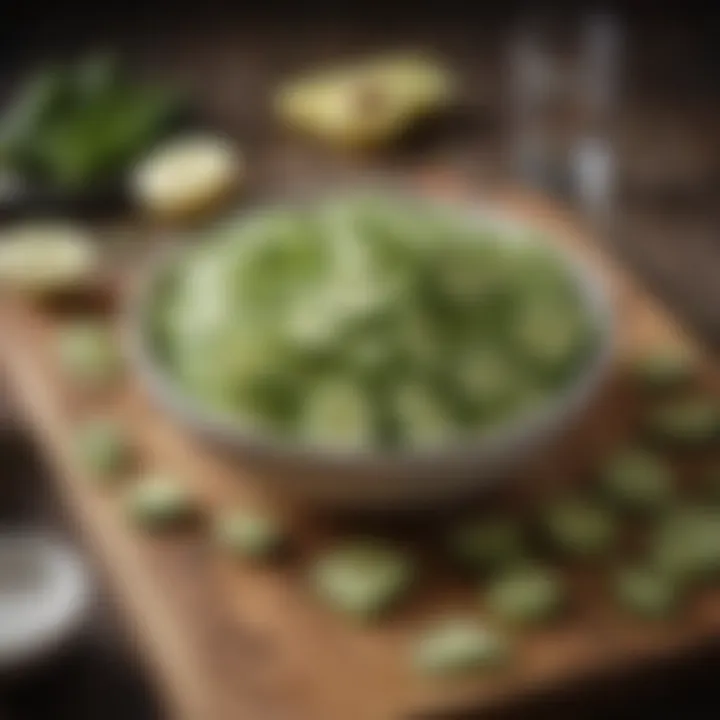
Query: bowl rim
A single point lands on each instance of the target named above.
(226, 428)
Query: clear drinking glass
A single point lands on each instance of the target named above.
(538, 102)
(563, 100)
(597, 86)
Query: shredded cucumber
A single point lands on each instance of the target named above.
(381, 321)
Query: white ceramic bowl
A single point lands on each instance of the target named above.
(45, 594)
(366, 478)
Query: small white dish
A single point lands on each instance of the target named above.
(45, 592)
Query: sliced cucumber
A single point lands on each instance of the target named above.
(160, 502)
(250, 534)
(88, 354)
(686, 545)
(492, 382)
(664, 368)
(458, 644)
(363, 578)
(487, 544)
(647, 592)
(386, 324)
(526, 595)
(103, 448)
(578, 527)
(637, 480)
(711, 484)
(550, 335)
(688, 421)
(424, 420)
(338, 414)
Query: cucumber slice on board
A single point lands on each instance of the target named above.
(647, 592)
(686, 544)
(457, 645)
(88, 354)
(638, 480)
(250, 534)
(687, 421)
(526, 595)
(664, 368)
(362, 578)
(487, 544)
(103, 448)
(580, 528)
(160, 502)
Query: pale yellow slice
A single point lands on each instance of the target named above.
(45, 257)
(188, 176)
(368, 103)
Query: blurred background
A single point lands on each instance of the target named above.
(663, 88)
(614, 110)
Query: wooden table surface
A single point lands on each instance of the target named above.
(668, 232)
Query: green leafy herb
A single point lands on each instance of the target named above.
(73, 126)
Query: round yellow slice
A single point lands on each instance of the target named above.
(188, 176)
(44, 257)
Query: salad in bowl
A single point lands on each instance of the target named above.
(372, 345)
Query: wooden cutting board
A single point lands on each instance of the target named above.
(228, 640)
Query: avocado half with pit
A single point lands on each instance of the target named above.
(367, 104)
